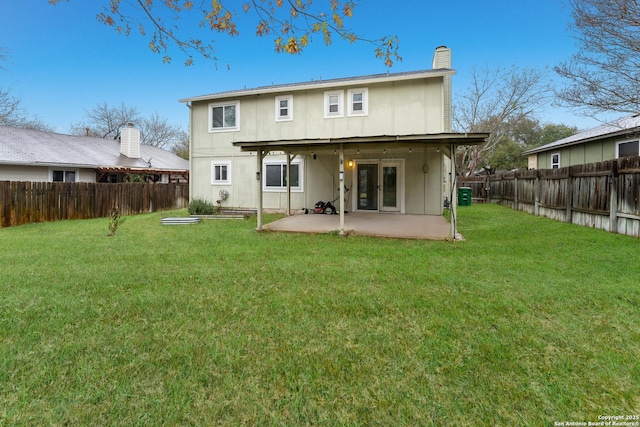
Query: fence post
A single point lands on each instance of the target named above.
(613, 197)
(537, 194)
(569, 195)
(515, 191)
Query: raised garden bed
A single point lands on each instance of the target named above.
(179, 221)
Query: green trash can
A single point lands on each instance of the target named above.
(464, 196)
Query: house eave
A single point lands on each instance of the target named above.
(47, 164)
(123, 169)
(383, 141)
(634, 132)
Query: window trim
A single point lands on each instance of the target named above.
(215, 163)
(618, 144)
(223, 104)
(552, 163)
(283, 163)
(365, 102)
(327, 105)
(289, 116)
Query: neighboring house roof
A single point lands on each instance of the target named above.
(319, 84)
(36, 148)
(628, 125)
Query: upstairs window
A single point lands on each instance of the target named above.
(284, 108)
(628, 148)
(358, 102)
(333, 104)
(224, 116)
(555, 161)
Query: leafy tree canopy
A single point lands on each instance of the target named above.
(290, 23)
(520, 136)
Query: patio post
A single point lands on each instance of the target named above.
(259, 157)
(341, 182)
(454, 193)
(288, 184)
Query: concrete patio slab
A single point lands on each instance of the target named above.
(427, 227)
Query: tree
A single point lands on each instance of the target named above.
(604, 75)
(12, 114)
(530, 133)
(157, 131)
(105, 122)
(495, 101)
(181, 148)
(524, 135)
(291, 23)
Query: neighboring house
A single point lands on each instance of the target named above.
(382, 137)
(29, 155)
(618, 138)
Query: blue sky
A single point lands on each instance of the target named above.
(62, 61)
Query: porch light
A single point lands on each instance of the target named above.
(350, 163)
(257, 176)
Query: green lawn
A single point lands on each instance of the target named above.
(527, 322)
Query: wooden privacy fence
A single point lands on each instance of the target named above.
(603, 195)
(28, 202)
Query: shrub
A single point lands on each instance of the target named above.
(201, 207)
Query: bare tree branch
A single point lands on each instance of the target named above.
(604, 75)
(495, 100)
(104, 121)
(12, 114)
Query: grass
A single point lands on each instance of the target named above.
(528, 322)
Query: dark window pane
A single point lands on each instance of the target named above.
(274, 177)
(628, 149)
(216, 117)
(295, 178)
(58, 176)
(389, 185)
(70, 176)
(220, 173)
(230, 116)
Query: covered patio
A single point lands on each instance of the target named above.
(420, 227)
(373, 224)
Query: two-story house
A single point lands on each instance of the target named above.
(375, 143)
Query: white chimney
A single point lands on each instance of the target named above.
(130, 141)
(442, 60)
